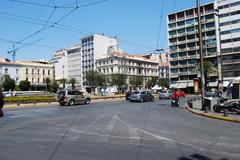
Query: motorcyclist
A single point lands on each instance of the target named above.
(175, 96)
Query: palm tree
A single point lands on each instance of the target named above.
(73, 81)
(209, 68)
(63, 81)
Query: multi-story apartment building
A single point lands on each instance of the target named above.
(74, 64)
(94, 47)
(36, 72)
(14, 70)
(60, 63)
(183, 42)
(128, 64)
(229, 19)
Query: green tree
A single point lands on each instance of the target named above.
(63, 81)
(73, 81)
(54, 86)
(163, 82)
(24, 85)
(9, 83)
(151, 81)
(118, 79)
(94, 78)
(136, 80)
(48, 81)
(209, 68)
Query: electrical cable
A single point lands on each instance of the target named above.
(160, 25)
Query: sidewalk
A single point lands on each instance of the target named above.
(232, 117)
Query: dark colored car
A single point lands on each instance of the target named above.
(72, 97)
(142, 96)
(127, 96)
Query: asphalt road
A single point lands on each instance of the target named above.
(117, 130)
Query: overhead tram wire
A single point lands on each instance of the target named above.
(160, 26)
(60, 19)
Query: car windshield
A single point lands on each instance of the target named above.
(61, 92)
(163, 92)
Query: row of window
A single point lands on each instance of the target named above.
(230, 22)
(231, 40)
(229, 14)
(38, 80)
(230, 31)
(230, 50)
(229, 5)
(38, 71)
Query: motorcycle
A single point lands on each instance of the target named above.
(174, 103)
(231, 106)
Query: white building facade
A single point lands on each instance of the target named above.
(8, 68)
(128, 64)
(229, 17)
(60, 63)
(94, 47)
(75, 64)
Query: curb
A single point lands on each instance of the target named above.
(229, 119)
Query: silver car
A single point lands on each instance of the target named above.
(72, 97)
(165, 94)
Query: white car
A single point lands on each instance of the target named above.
(165, 94)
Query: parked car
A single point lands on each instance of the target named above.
(72, 97)
(142, 96)
(165, 94)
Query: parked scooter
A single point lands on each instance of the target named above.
(231, 106)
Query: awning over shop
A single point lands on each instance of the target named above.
(213, 84)
(182, 85)
(174, 85)
(190, 84)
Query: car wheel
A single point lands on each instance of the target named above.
(71, 102)
(141, 100)
(152, 99)
(87, 101)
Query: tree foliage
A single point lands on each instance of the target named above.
(152, 81)
(54, 86)
(118, 79)
(8, 83)
(136, 80)
(163, 82)
(24, 85)
(63, 81)
(48, 81)
(94, 78)
(73, 82)
(208, 68)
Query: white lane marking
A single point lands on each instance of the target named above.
(155, 136)
(18, 116)
(108, 130)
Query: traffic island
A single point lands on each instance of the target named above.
(219, 116)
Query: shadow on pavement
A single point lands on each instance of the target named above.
(198, 157)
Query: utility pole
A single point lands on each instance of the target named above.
(201, 53)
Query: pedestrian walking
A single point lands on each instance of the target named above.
(1, 103)
(229, 92)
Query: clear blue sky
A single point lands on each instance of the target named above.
(135, 23)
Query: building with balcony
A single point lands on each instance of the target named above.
(94, 47)
(74, 61)
(229, 19)
(183, 40)
(128, 64)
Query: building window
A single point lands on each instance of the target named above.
(16, 80)
(43, 72)
(26, 70)
(16, 71)
(38, 80)
(32, 71)
(26, 79)
(48, 72)
(111, 69)
(38, 71)
(32, 80)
